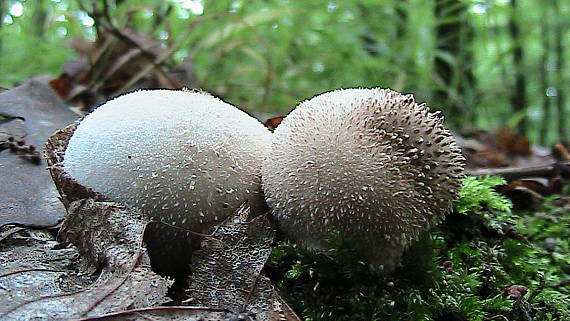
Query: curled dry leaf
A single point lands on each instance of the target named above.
(112, 275)
(527, 193)
(67, 187)
(516, 291)
(110, 238)
(500, 147)
(33, 267)
(272, 123)
(44, 280)
(227, 270)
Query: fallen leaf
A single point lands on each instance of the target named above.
(272, 123)
(227, 270)
(27, 194)
(516, 292)
(104, 270)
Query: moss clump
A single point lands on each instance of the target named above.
(458, 271)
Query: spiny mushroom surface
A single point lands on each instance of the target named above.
(185, 158)
(371, 163)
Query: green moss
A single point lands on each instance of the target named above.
(477, 194)
(484, 246)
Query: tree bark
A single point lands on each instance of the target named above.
(369, 41)
(447, 41)
(2, 14)
(518, 92)
(543, 71)
(402, 16)
(39, 19)
(559, 32)
(454, 38)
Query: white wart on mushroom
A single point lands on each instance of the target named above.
(371, 163)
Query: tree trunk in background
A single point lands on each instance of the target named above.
(454, 60)
(404, 58)
(467, 86)
(559, 31)
(368, 38)
(39, 18)
(502, 48)
(447, 35)
(518, 92)
(402, 16)
(543, 71)
(2, 13)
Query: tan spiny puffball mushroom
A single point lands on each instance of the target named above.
(370, 163)
(184, 157)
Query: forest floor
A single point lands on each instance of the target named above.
(503, 253)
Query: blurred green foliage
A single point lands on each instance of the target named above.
(266, 56)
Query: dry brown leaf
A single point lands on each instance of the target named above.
(112, 65)
(227, 270)
(106, 271)
(27, 194)
(272, 123)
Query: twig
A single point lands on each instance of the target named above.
(18, 306)
(10, 233)
(149, 309)
(159, 60)
(517, 172)
(105, 22)
(151, 57)
(30, 270)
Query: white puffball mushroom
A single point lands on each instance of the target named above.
(184, 157)
(370, 163)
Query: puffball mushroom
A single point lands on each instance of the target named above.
(370, 163)
(183, 157)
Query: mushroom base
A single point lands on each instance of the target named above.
(381, 254)
(170, 248)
